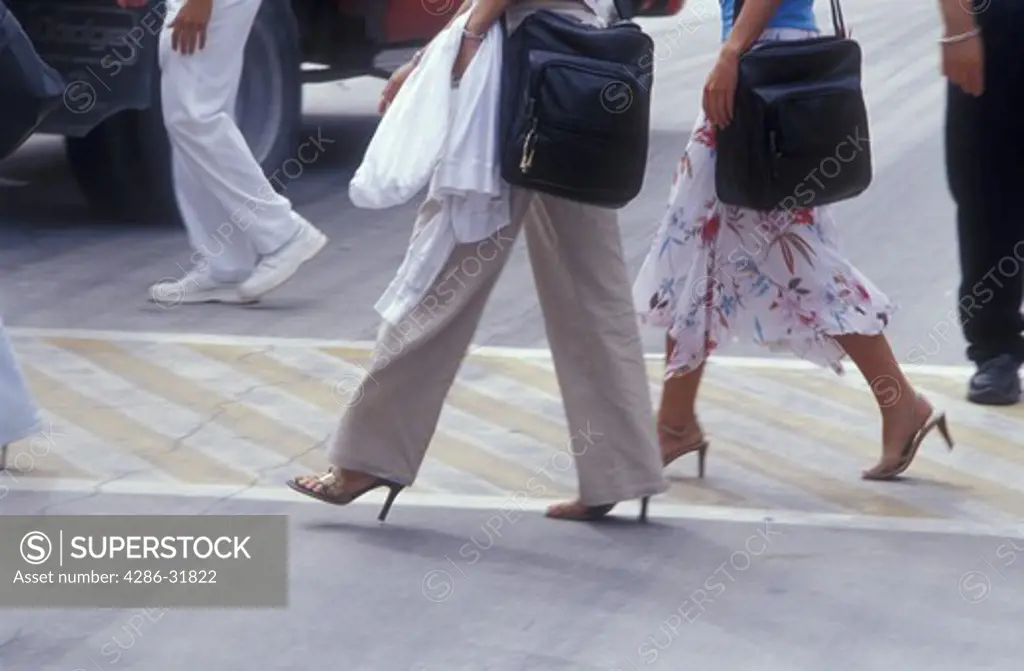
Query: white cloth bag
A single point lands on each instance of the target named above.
(19, 417)
(410, 139)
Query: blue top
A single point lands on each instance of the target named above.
(790, 14)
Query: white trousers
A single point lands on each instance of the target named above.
(18, 414)
(231, 211)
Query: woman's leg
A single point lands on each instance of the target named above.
(387, 426)
(904, 411)
(583, 288)
(679, 432)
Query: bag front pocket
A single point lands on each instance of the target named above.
(817, 139)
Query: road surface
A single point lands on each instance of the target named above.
(209, 408)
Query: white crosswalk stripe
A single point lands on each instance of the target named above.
(198, 411)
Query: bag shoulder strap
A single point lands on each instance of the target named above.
(612, 10)
(838, 22)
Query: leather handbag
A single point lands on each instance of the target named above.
(29, 87)
(575, 107)
(799, 135)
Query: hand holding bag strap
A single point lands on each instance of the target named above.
(838, 22)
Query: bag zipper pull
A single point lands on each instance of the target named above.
(527, 160)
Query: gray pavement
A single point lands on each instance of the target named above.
(206, 410)
(62, 270)
(450, 590)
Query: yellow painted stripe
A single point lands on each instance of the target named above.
(551, 434)
(508, 475)
(958, 390)
(977, 438)
(42, 461)
(451, 451)
(119, 431)
(854, 498)
(834, 437)
(695, 491)
(237, 417)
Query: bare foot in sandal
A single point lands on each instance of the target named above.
(341, 487)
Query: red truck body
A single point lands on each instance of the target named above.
(111, 115)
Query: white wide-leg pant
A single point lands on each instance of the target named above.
(231, 211)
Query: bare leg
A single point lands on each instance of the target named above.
(679, 432)
(904, 412)
(678, 409)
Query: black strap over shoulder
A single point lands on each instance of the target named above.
(838, 23)
(615, 10)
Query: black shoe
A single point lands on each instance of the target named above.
(997, 382)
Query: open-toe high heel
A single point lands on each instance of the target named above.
(677, 436)
(329, 488)
(883, 471)
(577, 512)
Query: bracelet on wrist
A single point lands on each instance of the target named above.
(470, 35)
(961, 37)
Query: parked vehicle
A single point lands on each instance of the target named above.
(115, 142)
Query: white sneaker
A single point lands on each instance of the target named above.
(195, 287)
(275, 269)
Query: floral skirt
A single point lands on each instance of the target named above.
(717, 273)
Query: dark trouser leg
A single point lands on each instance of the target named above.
(985, 160)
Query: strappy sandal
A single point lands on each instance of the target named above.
(329, 488)
(577, 512)
(700, 446)
(892, 471)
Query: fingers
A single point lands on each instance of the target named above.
(187, 37)
(975, 80)
(717, 107)
(387, 95)
(970, 79)
(728, 105)
(385, 101)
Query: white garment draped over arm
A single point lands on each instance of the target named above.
(444, 137)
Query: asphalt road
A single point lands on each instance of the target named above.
(62, 269)
(780, 560)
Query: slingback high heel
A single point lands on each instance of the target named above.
(327, 488)
(936, 419)
(700, 446)
(576, 513)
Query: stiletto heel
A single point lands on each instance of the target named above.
(393, 491)
(911, 447)
(579, 513)
(3, 457)
(700, 446)
(943, 428)
(329, 489)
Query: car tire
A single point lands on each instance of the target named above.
(123, 166)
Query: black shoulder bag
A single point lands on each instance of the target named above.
(799, 134)
(575, 107)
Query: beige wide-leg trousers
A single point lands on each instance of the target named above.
(585, 297)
